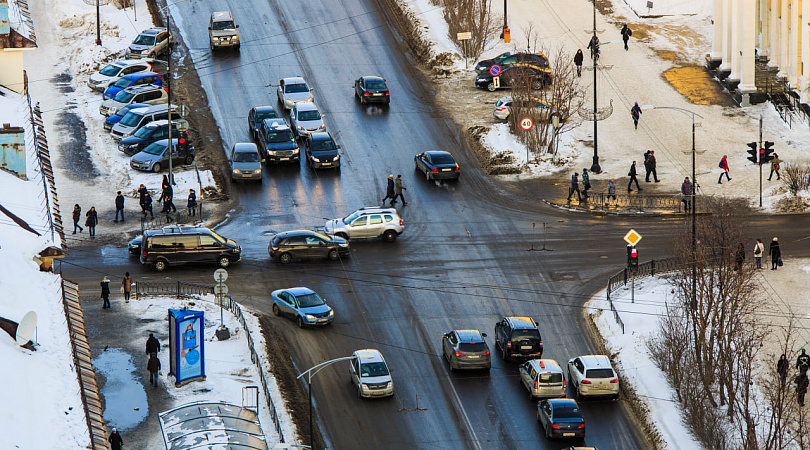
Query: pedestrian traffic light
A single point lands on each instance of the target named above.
(765, 154)
(753, 152)
(632, 258)
(182, 142)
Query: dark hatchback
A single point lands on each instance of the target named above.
(299, 245)
(561, 418)
(322, 151)
(437, 165)
(372, 90)
(147, 134)
(508, 58)
(256, 116)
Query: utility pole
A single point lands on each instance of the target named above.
(760, 161)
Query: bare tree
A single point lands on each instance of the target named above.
(474, 16)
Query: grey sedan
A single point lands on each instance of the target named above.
(245, 162)
(466, 349)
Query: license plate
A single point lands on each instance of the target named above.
(322, 320)
(326, 164)
(472, 356)
(525, 347)
(376, 94)
(446, 170)
(284, 159)
(568, 434)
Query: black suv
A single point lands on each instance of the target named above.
(151, 132)
(519, 338)
(182, 244)
(322, 151)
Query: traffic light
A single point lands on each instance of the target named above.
(632, 258)
(182, 142)
(753, 152)
(765, 154)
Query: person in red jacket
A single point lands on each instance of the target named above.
(724, 166)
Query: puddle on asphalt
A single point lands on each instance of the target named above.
(122, 392)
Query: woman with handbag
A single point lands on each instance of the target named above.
(776, 253)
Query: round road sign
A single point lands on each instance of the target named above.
(220, 275)
(495, 70)
(182, 124)
(221, 289)
(526, 123)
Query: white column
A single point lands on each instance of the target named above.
(784, 42)
(749, 34)
(736, 38)
(805, 52)
(717, 34)
(795, 42)
(763, 38)
(773, 31)
(725, 48)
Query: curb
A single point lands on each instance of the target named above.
(573, 209)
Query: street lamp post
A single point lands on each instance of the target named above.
(595, 168)
(311, 372)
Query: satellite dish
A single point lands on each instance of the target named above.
(26, 328)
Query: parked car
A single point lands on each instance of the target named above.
(538, 109)
(149, 44)
(322, 151)
(437, 165)
(114, 71)
(561, 418)
(149, 94)
(256, 116)
(367, 222)
(372, 89)
(147, 134)
(155, 157)
(519, 338)
(182, 244)
(515, 75)
(113, 119)
(303, 305)
(135, 79)
(370, 374)
(506, 59)
(305, 119)
(306, 244)
(245, 162)
(593, 376)
(222, 31)
(543, 378)
(485, 64)
(136, 118)
(278, 142)
(293, 90)
(466, 349)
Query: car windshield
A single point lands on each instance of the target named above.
(599, 373)
(375, 84)
(270, 114)
(144, 39)
(224, 25)
(322, 146)
(221, 239)
(350, 218)
(123, 111)
(279, 136)
(132, 119)
(522, 334)
(375, 369)
(144, 132)
(472, 347)
(110, 71)
(305, 301)
(566, 411)
(442, 158)
(155, 149)
(123, 82)
(309, 115)
(293, 88)
(246, 157)
(124, 97)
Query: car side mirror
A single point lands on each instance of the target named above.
(237, 26)
(209, 28)
(483, 335)
(262, 160)
(337, 146)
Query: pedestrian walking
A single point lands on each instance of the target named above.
(801, 387)
(389, 191)
(126, 286)
(686, 193)
(574, 187)
(626, 33)
(775, 167)
(116, 443)
(398, 187)
(586, 183)
(168, 206)
(782, 368)
(147, 205)
(611, 189)
(91, 221)
(165, 183)
(635, 113)
(593, 45)
(803, 362)
(142, 191)
(153, 366)
(739, 257)
(77, 215)
(647, 166)
(105, 292)
(759, 249)
(776, 255)
(167, 196)
(119, 206)
(653, 164)
(192, 203)
(724, 166)
(578, 58)
(632, 174)
(152, 345)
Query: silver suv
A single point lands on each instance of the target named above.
(368, 222)
(149, 44)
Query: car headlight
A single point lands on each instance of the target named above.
(112, 110)
(299, 127)
(145, 52)
(295, 152)
(344, 245)
(310, 317)
(337, 157)
(331, 313)
(235, 38)
(257, 171)
(236, 171)
(316, 159)
(480, 79)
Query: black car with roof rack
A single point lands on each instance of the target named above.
(182, 244)
(519, 338)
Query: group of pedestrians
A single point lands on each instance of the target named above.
(593, 46)
(126, 289)
(394, 190)
(91, 219)
(774, 251)
(802, 381)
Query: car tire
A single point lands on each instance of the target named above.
(189, 159)
(491, 86)
(342, 235)
(276, 311)
(156, 168)
(223, 261)
(333, 255)
(390, 236)
(237, 47)
(427, 174)
(285, 258)
(548, 435)
(160, 265)
(359, 392)
(615, 398)
(299, 322)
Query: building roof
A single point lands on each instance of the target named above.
(22, 33)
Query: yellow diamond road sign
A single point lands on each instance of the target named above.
(632, 237)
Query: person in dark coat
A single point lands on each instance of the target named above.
(652, 163)
(686, 192)
(116, 443)
(126, 286)
(593, 45)
(632, 174)
(165, 183)
(77, 215)
(782, 368)
(739, 257)
(142, 191)
(803, 362)
(153, 366)
(91, 221)
(586, 183)
(147, 205)
(398, 187)
(389, 193)
(647, 166)
(574, 188)
(167, 196)
(119, 206)
(776, 254)
(105, 292)
(775, 167)
(578, 58)
(801, 387)
(192, 203)
(152, 345)
(635, 113)
(626, 33)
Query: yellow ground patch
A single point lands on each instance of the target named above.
(694, 83)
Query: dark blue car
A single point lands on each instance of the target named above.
(278, 142)
(113, 119)
(135, 79)
(561, 418)
(256, 116)
(437, 165)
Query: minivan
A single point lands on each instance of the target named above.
(543, 378)
(135, 79)
(137, 118)
(183, 245)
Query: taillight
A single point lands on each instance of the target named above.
(166, 91)
(435, 169)
(144, 253)
(555, 426)
(564, 384)
(486, 353)
(536, 384)
(500, 108)
(365, 94)
(615, 380)
(459, 354)
(400, 222)
(508, 345)
(586, 381)
(582, 425)
(386, 93)
(540, 345)
(456, 167)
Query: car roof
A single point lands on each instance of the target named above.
(157, 123)
(293, 233)
(142, 87)
(159, 108)
(245, 147)
(548, 365)
(562, 402)
(294, 80)
(300, 290)
(376, 209)
(369, 355)
(128, 62)
(320, 136)
(222, 15)
(153, 31)
(176, 229)
(373, 78)
(140, 75)
(595, 362)
(521, 322)
(263, 108)
(470, 336)
(438, 152)
(277, 124)
(306, 107)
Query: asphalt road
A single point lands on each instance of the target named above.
(464, 261)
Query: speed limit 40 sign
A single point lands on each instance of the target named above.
(526, 123)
